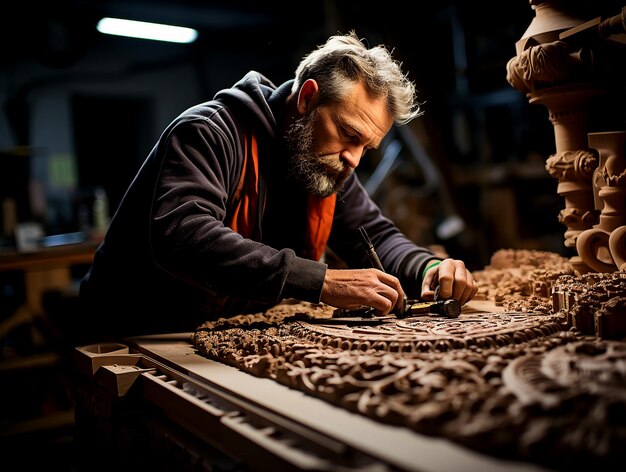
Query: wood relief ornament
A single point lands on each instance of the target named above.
(617, 244)
(591, 369)
(593, 303)
(477, 380)
(573, 170)
(546, 65)
(598, 247)
(505, 383)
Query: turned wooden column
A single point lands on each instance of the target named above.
(557, 66)
(573, 163)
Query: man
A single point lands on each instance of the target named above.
(233, 209)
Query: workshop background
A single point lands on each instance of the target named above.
(81, 110)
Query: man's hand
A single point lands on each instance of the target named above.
(352, 288)
(453, 279)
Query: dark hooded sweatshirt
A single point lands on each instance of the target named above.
(169, 262)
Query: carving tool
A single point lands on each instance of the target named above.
(449, 308)
(369, 249)
(374, 259)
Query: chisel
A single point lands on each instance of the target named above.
(449, 308)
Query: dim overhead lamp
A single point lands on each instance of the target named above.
(144, 30)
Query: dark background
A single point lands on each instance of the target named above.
(86, 108)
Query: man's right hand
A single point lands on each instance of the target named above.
(353, 288)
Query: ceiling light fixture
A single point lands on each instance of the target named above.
(141, 29)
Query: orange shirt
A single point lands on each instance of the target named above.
(244, 217)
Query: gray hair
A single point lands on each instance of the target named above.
(345, 59)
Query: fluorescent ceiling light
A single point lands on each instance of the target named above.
(141, 29)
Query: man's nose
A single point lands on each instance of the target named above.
(352, 156)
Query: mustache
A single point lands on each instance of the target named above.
(333, 164)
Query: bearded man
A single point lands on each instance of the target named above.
(233, 209)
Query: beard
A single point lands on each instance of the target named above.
(320, 175)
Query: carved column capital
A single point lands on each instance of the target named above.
(547, 64)
(572, 165)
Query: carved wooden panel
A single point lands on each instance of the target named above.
(517, 384)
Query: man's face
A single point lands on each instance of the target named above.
(327, 143)
(321, 175)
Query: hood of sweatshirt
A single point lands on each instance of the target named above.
(259, 98)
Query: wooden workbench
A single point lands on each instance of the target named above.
(258, 422)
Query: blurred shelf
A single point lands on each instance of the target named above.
(54, 421)
(498, 174)
(33, 361)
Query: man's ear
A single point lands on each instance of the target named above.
(307, 95)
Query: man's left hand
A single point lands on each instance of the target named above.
(453, 279)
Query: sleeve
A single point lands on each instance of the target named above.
(398, 255)
(200, 166)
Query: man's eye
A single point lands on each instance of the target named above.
(350, 135)
(347, 134)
